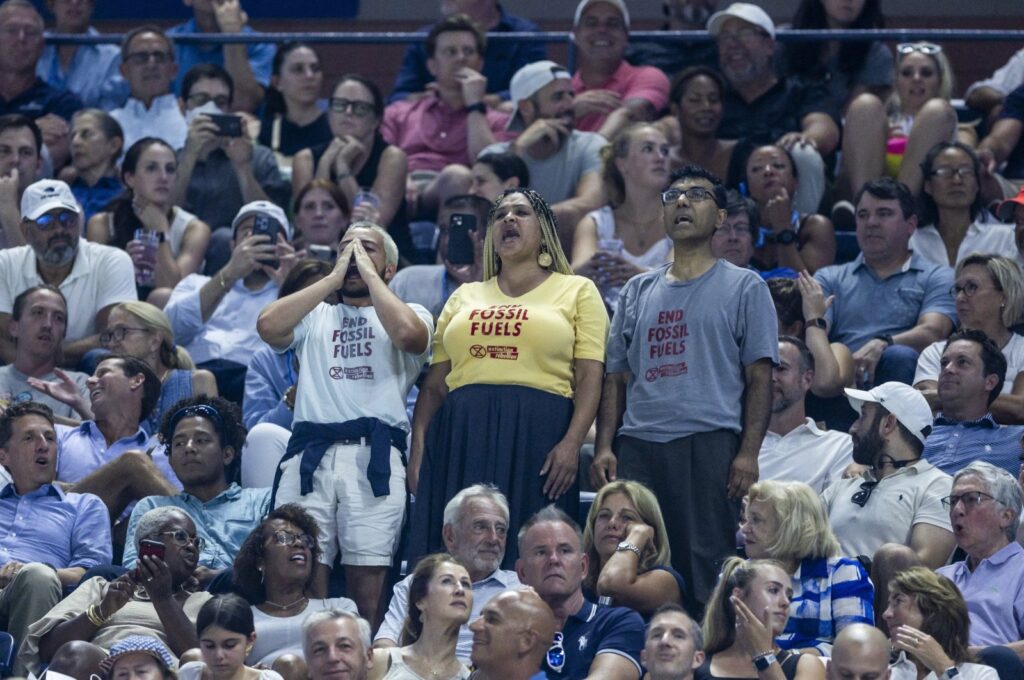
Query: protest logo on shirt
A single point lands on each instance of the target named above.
(497, 321)
(667, 339)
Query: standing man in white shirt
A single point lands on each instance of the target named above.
(147, 63)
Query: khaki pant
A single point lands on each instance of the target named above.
(32, 593)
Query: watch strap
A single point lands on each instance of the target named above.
(479, 107)
(817, 322)
(763, 661)
(625, 546)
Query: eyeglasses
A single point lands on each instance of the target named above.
(66, 218)
(198, 99)
(556, 654)
(117, 334)
(359, 109)
(743, 35)
(695, 194)
(968, 289)
(142, 58)
(861, 497)
(182, 538)
(922, 47)
(947, 172)
(12, 32)
(290, 538)
(971, 500)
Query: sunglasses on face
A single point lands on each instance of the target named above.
(65, 218)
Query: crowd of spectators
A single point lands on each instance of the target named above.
(698, 361)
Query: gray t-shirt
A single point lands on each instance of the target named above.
(14, 387)
(686, 344)
(555, 178)
(424, 284)
(214, 194)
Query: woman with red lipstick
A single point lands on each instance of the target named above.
(148, 172)
(746, 613)
(440, 601)
(627, 543)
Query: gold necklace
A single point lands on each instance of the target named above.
(285, 607)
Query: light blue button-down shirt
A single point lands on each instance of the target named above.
(83, 449)
(223, 522)
(59, 529)
(94, 74)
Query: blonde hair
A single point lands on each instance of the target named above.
(548, 234)
(656, 554)
(804, 531)
(893, 105)
(719, 625)
(611, 176)
(1007, 276)
(153, 319)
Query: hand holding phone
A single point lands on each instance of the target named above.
(228, 125)
(460, 243)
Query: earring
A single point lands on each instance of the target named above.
(544, 259)
(259, 569)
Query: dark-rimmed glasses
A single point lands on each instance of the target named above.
(968, 289)
(694, 194)
(358, 109)
(971, 500)
(290, 538)
(963, 172)
(142, 58)
(117, 334)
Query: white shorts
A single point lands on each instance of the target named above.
(365, 528)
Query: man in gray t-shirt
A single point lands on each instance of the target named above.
(687, 398)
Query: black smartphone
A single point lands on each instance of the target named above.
(228, 125)
(460, 243)
(266, 225)
(324, 253)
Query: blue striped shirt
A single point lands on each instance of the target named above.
(953, 445)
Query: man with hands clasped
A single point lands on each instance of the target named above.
(345, 461)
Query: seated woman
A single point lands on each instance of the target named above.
(96, 143)
(357, 158)
(292, 119)
(745, 615)
(226, 634)
(929, 628)
(274, 573)
(155, 600)
(989, 293)
(148, 172)
(696, 103)
(952, 221)
(893, 138)
(321, 214)
(627, 236)
(788, 240)
(440, 601)
(496, 171)
(138, 656)
(786, 522)
(630, 559)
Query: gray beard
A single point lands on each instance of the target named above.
(58, 257)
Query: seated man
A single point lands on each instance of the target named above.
(971, 377)
(430, 285)
(860, 652)
(564, 163)
(984, 509)
(21, 149)
(217, 175)
(50, 537)
(886, 342)
(610, 92)
(476, 522)
(92, 277)
(212, 317)
(1004, 144)
(37, 327)
(336, 643)
(591, 640)
(452, 123)
(147, 63)
(512, 636)
(673, 648)
(794, 448)
(987, 95)
(204, 437)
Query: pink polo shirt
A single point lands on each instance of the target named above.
(631, 82)
(432, 134)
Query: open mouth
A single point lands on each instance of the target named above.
(509, 234)
(42, 461)
(298, 558)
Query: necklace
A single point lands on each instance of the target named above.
(285, 607)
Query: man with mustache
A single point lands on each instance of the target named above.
(93, 278)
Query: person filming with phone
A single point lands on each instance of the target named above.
(212, 316)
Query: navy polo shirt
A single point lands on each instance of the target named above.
(594, 630)
(41, 99)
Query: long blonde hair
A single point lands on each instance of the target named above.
(548, 234)
(804, 531)
(719, 625)
(153, 319)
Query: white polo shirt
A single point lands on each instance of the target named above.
(101, 276)
(806, 454)
(989, 238)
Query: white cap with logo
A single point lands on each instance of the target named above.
(903, 401)
(527, 81)
(744, 11)
(45, 195)
(267, 208)
(618, 4)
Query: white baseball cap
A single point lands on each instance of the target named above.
(903, 401)
(619, 4)
(45, 195)
(527, 81)
(267, 208)
(745, 11)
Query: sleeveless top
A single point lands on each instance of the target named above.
(655, 256)
(175, 231)
(176, 387)
(399, 227)
(398, 670)
(787, 660)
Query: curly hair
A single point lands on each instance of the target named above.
(246, 571)
(230, 428)
(421, 576)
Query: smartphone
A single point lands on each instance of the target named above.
(324, 253)
(148, 546)
(228, 125)
(460, 243)
(268, 226)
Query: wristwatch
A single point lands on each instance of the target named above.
(817, 323)
(785, 237)
(626, 545)
(763, 661)
(886, 338)
(479, 107)
(951, 673)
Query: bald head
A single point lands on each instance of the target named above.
(860, 652)
(514, 631)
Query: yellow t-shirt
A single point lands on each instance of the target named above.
(530, 340)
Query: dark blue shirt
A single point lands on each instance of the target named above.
(501, 59)
(41, 99)
(94, 199)
(1013, 108)
(597, 630)
(953, 445)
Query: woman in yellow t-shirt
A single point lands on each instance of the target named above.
(515, 376)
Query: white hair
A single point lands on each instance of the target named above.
(453, 511)
(327, 615)
(156, 519)
(390, 248)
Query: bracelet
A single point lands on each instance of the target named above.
(94, 616)
(220, 280)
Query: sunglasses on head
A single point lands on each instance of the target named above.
(922, 47)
